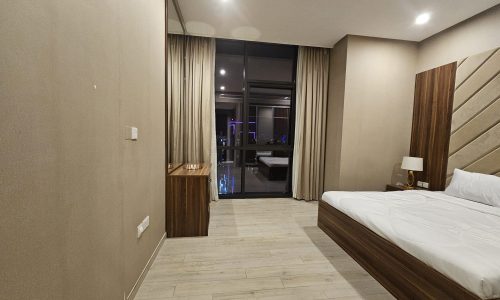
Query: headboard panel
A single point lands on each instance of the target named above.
(432, 112)
(475, 126)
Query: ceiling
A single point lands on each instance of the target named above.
(320, 22)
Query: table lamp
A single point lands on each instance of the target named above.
(412, 164)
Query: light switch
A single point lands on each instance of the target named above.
(132, 133)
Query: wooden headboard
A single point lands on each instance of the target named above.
(456, 118)
(475, 126)
(432, 111)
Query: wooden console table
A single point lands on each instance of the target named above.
(188, 202)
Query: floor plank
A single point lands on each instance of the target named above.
(258, 249)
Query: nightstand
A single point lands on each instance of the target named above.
(188, 202)
(393, 187)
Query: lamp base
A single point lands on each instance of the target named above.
(408, 187)
(411, 181)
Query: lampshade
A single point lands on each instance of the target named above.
(412, 163)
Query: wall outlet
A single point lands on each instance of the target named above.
(142, 227)
(423, 184)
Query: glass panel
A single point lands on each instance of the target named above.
(229, 67)
(270, 62)
(266, 171)
(267, 111)
(229, 74)
(229, 171)
(269, 68)
(269, 116)
(229, 121)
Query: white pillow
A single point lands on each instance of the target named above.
(477, 187)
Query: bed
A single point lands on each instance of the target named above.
(273, 168)
(416, 243)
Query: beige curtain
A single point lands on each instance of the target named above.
(191, 102)
(309, 148)
(175, 87)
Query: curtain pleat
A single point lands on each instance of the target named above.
(175, 73)
(311, 99)
(191, 102)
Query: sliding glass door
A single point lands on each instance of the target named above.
(268, 151)
(254, 119)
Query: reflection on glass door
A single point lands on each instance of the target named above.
(268, 154)
(254, 118)
(254, 144)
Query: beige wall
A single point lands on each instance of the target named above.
(335, 114)
(72, 190)
(143, 164)
(475, 35)
(377, 112)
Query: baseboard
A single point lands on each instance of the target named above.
(139, 280)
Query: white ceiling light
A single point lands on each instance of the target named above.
(222, 88)
(422, 18)
(222, 72)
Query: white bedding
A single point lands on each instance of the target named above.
(457, 237)
(274, 161)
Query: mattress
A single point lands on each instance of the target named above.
(457, 237)
(274, 161)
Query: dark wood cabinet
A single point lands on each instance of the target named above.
(188, 202)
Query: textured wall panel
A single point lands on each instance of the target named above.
(488, 164)
(476, 81)
(470, 65)
(476, 104)
(475, 150)
(475, 129)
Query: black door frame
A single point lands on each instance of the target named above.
(245, 146)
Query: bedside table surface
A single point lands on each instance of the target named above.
(394, 187)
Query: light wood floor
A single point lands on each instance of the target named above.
(258, 249)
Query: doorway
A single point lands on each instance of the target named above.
(255, 117)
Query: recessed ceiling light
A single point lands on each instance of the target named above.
(222, 72)
(422, 18)
(222, 88)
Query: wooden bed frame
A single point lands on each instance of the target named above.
(400, 273)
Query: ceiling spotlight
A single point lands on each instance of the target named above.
(422, 18)
(222, 72)
(222, 88)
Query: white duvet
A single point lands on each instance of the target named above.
(457, 237)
